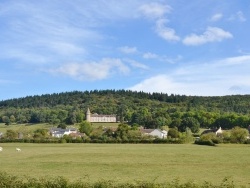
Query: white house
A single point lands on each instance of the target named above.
(155, 132)
(58, 132)
(216, 131)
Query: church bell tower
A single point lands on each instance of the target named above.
(88, 116)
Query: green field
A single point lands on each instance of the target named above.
(33, 127)
(28, 127)
(129, 162)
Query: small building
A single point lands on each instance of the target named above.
(101, 118)
(59, 133)
(216, 131)
(155, 132)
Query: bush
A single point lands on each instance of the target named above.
(173, 133)
(247, 141)
(9, 181)
(209, 139)
(205, 142)
(239, 135)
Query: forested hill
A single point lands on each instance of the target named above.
(132, 106)
(233, 103)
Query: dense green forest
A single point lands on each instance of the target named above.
(151, 110)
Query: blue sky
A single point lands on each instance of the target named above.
(171, 46)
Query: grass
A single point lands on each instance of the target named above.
(28, 127)
(128, 162)
(33, 127)
(108, 125)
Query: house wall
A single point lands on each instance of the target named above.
(157, 133)
(102, 118)
(219, 131)
(58, 133)
(99, 118)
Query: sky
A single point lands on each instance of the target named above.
(198, 48)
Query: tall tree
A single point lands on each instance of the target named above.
(85, 127)
(191, 123)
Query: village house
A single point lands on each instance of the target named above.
(59, 133)
(101, 118)
(216, 131)
(155, 132)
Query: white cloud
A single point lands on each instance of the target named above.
(216, 78)
(166, 32)
(154, 10)
(149, 55)
(216, 17)
(239, 60)
(158, 83)
(128, 50)
(239, 16)
(136, 64)
(65, 48)
(41, 34)
(91, 71)
(161, 58)
(212, 34)
(157, 12)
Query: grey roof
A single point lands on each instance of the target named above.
(147, 130)
(102, 115)
(210, 131)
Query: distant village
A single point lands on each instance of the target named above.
(213, 135)
(101, 118)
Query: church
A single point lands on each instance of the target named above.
(100, 118)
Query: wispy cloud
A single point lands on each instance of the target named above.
(136, 64)
(166, 32)
(91, 71)
(238, 16)
(150, 55)
(161, 58)
(216, 17)
(157, 12)
(238, 60)
(128, 50)
(212, 34)
(220, 77)
(42, 34)
(154, 10)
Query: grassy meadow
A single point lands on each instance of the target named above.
(129, 162)
(33, 127)
(28, 127)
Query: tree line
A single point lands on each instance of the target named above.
(151, 110)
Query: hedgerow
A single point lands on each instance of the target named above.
(10, 181)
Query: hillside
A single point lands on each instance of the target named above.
(148, 109)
